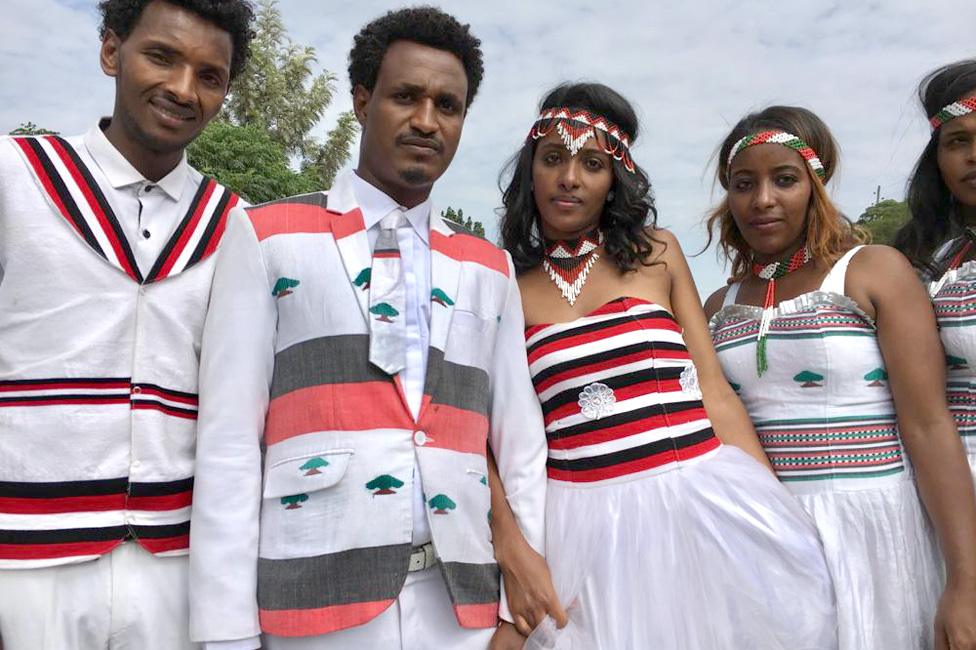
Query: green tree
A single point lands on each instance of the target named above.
(313, 466)
(384, 484)
(808, 379)
(29, 128)
(877, 377)
(441, 503)
(437, 295)
(278, 91)
(247, 160)
(362, 280)
(283, 287)
(956, 363)
(385, 312)
(883, 219)
(294, 501)
(457, 216)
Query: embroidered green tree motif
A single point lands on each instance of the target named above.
(362, 280)
(956, 363)
(441, 503)
(877, 377)
(384, 312)
(484, 480)
(384, 484)
(440, 297)
(808, 379)
(312, 466)
(283, 287)
(294, 502)
(736, 387)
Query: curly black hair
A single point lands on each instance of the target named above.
(425, 25)
(232, 16)
(627, 220)
(935, 219)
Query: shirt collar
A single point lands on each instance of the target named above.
(375, 204)
(121, 173)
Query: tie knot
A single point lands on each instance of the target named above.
(393, 220)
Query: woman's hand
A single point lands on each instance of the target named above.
(528, 584)
(506, 637)
(955, 620)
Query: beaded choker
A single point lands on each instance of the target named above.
(568, 262)
(772, 272)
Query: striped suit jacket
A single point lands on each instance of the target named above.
(321, 542)
(98, 363)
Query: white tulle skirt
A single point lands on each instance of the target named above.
(885, 563)
(713, 555)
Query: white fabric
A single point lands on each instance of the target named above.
(415, 264)
(125, 600)
(713, 554)
(835, 280)
(142, 206)
(420, 619)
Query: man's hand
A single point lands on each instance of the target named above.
(528, 585)
(506, 637)
(955, 620)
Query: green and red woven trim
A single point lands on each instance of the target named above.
(952, 111)
(785, 139)
(576, 127)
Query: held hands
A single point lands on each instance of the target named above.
(955, 620)
(506, 637)
(528, 585)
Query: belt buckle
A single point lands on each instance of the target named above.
(422, 557)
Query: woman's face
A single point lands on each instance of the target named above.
(769, 194)
(570, 191)
(956, 155)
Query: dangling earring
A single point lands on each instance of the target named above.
(610, 196)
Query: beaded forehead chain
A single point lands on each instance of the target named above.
(952, 111)
(783, 138)
(576, 127)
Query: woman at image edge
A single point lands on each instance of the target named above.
(661, 533)
(833, 348)
(940, 236)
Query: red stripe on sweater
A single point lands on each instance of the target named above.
(58, 505)
(53, 551)
(634, 466)
(321, 620)
(467, 248)
(620, 431)
(288, 218)
(188, 231)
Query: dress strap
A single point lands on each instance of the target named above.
(834, 282)
(731, 293)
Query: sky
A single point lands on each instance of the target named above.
(691, 69)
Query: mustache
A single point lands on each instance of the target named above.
(420, 141)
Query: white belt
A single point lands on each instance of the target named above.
(422, 557)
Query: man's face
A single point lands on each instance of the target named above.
(171, 73)
(411, 120)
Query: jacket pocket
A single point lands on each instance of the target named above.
(306, 473)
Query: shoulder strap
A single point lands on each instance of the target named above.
(731, 293)
(834, 282)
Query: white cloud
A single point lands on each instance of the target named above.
(692, 69)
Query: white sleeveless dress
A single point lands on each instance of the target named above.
(826, 419)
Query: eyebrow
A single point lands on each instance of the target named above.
(778, 168)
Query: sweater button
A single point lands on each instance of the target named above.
(420, 438)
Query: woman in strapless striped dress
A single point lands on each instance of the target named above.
(662, 533)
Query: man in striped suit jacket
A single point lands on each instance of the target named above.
(370, 524)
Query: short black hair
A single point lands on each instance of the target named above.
(425, 25)
(628, 218)
(232, 16)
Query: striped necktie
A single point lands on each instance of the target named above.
(387, 299)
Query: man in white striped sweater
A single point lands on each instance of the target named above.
(106, 261)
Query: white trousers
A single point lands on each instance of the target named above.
(125, 600)
(421, 619)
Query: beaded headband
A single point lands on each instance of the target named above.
(785, 139)
(576, 127)
(952, 111)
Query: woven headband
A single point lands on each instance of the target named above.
(576, 127)
(785, 139)
(952, 111)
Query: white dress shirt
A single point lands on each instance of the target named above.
(147, 211)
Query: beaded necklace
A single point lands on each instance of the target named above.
(772, 272)
(568, 262)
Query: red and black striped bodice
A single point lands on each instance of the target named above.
(619, 393)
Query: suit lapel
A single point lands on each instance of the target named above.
(349, 232)
(445, 278)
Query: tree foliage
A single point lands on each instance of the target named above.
(457, 216)
(883, 219)
(264, 131)
(29, 128)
